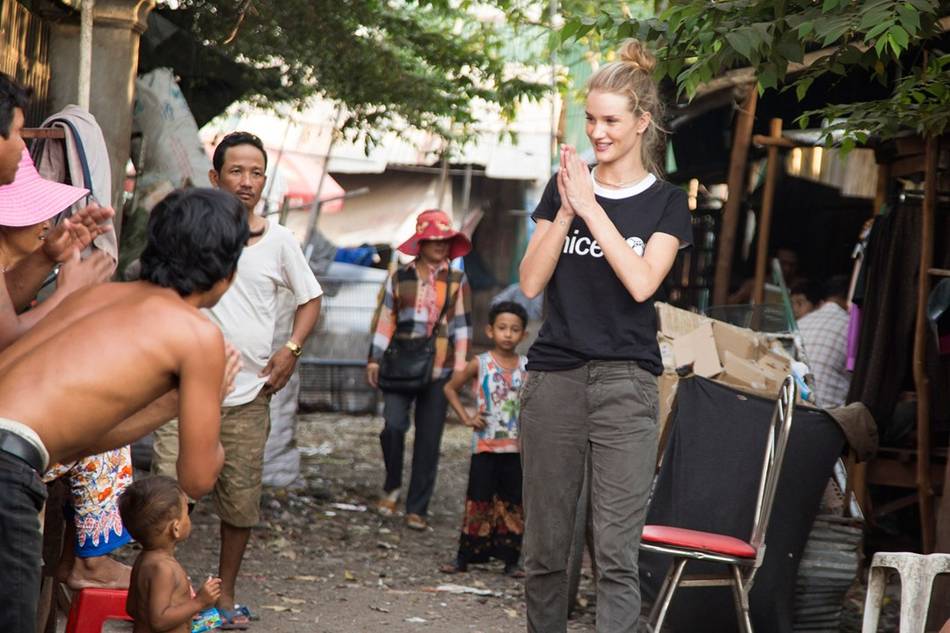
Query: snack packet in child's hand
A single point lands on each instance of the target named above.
(207, 620)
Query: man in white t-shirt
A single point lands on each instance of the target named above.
(248, 314)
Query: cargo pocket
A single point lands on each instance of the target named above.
(531, 384)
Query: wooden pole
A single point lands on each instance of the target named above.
(921, 333)
(765, 217)
(880, 195)
(314, 216)
(86, 25)
(443, 181)
(736, 181)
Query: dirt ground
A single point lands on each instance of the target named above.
(323, 562)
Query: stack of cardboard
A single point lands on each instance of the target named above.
(692, 344)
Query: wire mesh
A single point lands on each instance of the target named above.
(333, 367)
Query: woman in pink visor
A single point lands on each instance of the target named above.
(28, 208)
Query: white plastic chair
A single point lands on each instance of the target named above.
(917, 573)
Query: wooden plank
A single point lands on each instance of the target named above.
(43, 132)
(765, 216)
(909, 145)
(907, 166)
(772, 141)
(738, 162)
(898, 473)
(939, 272)
(921, 333)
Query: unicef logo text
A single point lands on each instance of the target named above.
(585, 246)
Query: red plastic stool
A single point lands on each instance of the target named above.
(92, 607)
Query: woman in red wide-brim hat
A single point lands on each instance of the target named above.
(424, 298)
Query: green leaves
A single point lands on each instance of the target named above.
(392, 63)
(697, 40)
(742, 41)
(920, 102)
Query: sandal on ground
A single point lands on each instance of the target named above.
(386, 507)
(234, 619)
(514, 570)
(246, 610)
(453, 568)
(416, 522)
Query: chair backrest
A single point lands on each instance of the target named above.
(775, 445)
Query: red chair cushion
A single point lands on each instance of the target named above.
(694, 539)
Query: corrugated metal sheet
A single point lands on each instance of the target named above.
(829, 566)
(24, 54)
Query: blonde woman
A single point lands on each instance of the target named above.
(604, 241)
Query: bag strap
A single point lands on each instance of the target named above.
(448, 302)
(445, 306)
(81, 151)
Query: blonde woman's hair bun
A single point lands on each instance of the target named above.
(635, 54)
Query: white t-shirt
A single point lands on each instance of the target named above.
(247, 313)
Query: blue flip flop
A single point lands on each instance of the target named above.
(234, 619)
(246, 610)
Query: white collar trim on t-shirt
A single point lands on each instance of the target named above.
(626, 192)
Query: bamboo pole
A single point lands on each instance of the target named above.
(86, 17)
(443, 181)
(314, 216)
(765, 217)
(921, 332)
(730, 218)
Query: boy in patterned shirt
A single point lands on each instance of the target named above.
(494, 518)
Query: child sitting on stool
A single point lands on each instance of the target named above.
(155, 512)
(494, 518)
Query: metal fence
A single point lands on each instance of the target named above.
(333, 367)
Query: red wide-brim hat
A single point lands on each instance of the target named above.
(436, 225)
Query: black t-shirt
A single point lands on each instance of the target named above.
(590, 314)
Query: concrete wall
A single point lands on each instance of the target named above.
(118, 26)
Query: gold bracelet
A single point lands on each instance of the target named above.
(295, 349)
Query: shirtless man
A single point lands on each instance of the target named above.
(110, 364)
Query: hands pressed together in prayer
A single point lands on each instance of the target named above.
(575, 185)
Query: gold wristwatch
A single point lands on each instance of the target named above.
(295, 349)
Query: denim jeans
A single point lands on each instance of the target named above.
(607, 408)
(431, 407)
(22, 496)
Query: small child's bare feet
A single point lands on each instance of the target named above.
(98, 572)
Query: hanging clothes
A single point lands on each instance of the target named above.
(887, 294)
(82, 160)
(885, 344)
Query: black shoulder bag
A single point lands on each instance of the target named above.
(406, 366)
